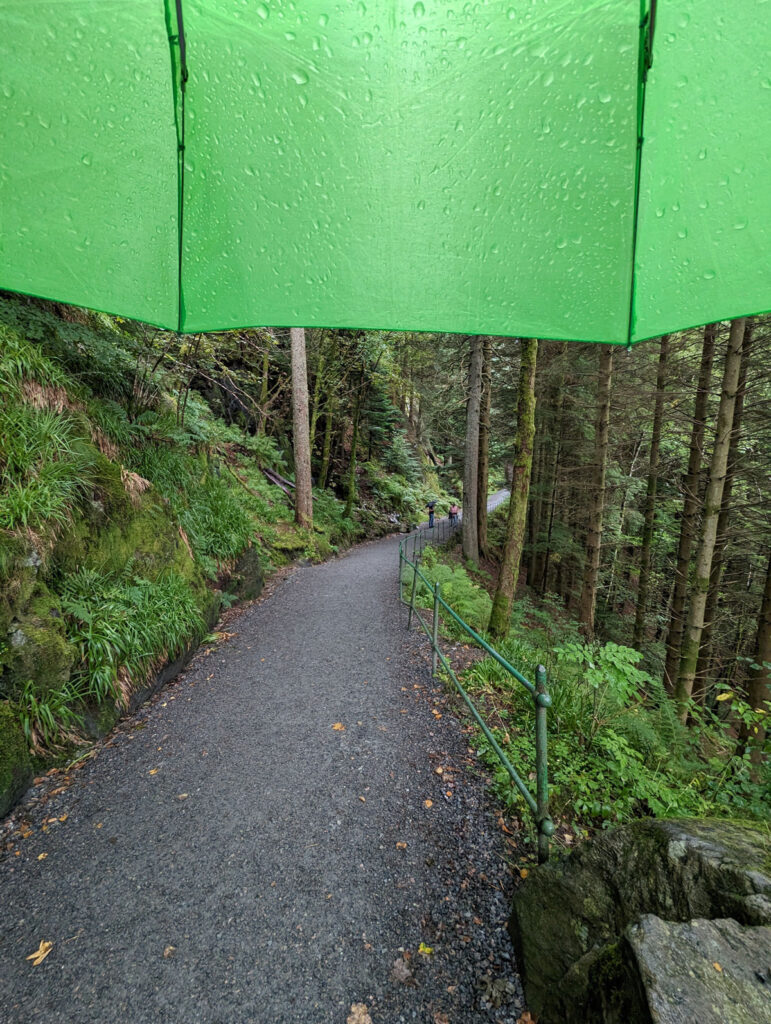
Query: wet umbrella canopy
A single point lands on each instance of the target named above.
(417, 164)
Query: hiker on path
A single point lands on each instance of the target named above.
(454, 510)
(431, 506)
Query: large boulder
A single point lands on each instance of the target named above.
(629, 927)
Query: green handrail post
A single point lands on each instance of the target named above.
(435, 637)
(544, 822)
(414, 588)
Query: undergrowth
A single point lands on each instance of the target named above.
(616, 747)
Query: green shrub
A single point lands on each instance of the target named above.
(470, 601)
(617, 749)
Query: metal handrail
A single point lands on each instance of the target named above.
(538, 804)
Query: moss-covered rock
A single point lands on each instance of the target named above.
(15, 763)
(570, 918)
(35, 648)
(247, 578)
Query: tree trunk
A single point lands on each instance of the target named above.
(326, 450)
(316, 408)
(471, 457)
(716, 571)
(690, 508)
(351, 493)
(542, 582)
(264, 392)
(759, 682)
(712, 503)
(588, 599)
(535, 504)
(483, 472)
(650, 498)
(302, 453)
(520, 487)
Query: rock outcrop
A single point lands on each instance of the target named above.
(658, 921)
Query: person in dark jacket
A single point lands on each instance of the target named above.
(431, 506)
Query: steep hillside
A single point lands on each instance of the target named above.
(129, 515)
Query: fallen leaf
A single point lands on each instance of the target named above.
(441, 1018)
(338, 727)
(169, 951)
(425, 950)
(42, 856)
(401, 972)
(525, 1018)
(439, 771)
(363, 799)
(717, 967)
(40, 953)
(523, 872)
(428, 803)
(63, 817)
(99, 824)
(448, 794)
(401, 846)
(359, 1014)
(153, 771)
(182, 796)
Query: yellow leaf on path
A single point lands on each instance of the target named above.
(153, 771)
(448, 794)
(359, 1014)
(363, 799)
(425, 950)
(338, 727)
(63, 817)
(40, 953)
(401, 846)
(523, 872)
(99, 824)
(439, 771)
(168, 952)
(428, 803)
(182, 796)
(717, 967)
(42, 856)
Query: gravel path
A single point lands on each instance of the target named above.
(233, 855)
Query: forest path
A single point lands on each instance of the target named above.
(231, 856)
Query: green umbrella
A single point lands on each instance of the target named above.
(408, 164)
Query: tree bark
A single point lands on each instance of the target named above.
(471, 458)
(759, 682)
(650, 497)
(690, 509)
(588, 600)
(326, 450)
(351, 493)
(316, 408)
(302, 453)
(721, 540)
(500, 616)
(263, 403)
(712, 502)
(483, 472)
